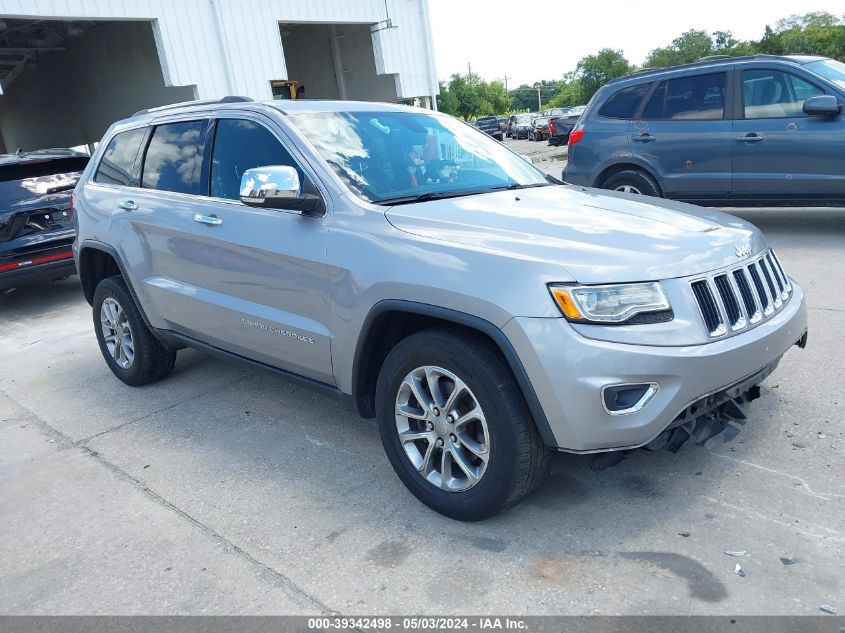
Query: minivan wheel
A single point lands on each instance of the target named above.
(455, 426)
(632, 181)
(131, 351)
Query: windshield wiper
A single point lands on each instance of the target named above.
(442, 195)
(516, 185)
(429, 195)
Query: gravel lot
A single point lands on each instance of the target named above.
(226, 491)
(549, 159)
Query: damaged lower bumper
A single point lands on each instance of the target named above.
(721, 413)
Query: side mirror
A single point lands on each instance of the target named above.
(822, 105)
(278, 187)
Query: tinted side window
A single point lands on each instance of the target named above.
(116, 166)
(240, 145)
(700, 97)
(774, 94)
(623, 104)
(173, 158)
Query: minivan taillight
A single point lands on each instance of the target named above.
(576, 135)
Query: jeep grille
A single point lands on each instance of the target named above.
(739, 298)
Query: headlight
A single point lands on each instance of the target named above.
(618, 303)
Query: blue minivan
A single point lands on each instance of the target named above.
(757, 130)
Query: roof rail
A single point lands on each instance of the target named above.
(184, 104)
(649, 69)
(701, 62)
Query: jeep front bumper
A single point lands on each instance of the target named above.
(568, 372)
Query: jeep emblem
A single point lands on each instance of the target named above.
(743, 250)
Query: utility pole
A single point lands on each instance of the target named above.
(539, 102)
(469, 68)
(506, 84)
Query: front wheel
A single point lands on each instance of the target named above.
(455, 426)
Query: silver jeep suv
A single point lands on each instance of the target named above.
(407, 264)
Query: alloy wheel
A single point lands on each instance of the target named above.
(628, 189)
(116, 333)
(442, 428)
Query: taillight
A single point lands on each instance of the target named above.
(575, 136)
(552, 127)
(72, 199)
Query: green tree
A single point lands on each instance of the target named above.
(468, 96)
(815, 33)
(570, 93)
(524, 97)
(447, 102)
(594, 71)
(688, 47)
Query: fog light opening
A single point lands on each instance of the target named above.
(627, 398)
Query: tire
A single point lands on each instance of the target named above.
(516, 458)
(632, 181)
(149, 360)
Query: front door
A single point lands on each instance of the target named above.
(778, 151)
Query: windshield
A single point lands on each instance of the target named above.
(388, 156)
(831, 70)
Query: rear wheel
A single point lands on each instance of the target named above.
(455, 426)
(632, 181)
(131, 351)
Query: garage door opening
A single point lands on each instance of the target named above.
(334, 61)
(64, 82)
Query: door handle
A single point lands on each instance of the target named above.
(751, 137)
(127, 205)
(211, 219)
(645, 137)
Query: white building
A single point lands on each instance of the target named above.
(69, 68)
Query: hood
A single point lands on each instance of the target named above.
(597, 236)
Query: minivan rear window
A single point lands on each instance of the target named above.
(623, 104)
(700, 97)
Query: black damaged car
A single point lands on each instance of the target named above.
(36, 215)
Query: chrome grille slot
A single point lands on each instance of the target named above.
(762, 295)
(739, 298)
(782, 274)
(752, 308)
(775, 274)
(783, 284)
(770, 284)
(729, 300)
(709, 310)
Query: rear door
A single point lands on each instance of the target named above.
(684, 132)
(778, 151)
